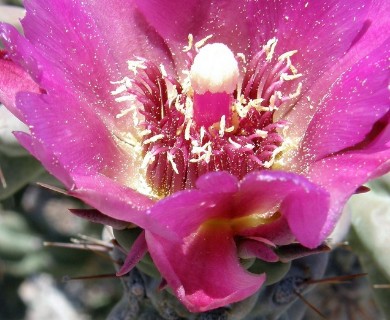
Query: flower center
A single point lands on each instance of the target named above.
(215, 119)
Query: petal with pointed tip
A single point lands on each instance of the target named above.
(136, 253)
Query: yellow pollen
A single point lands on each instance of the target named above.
(222, 125)
(261, 133)
(202, 133)
(234, 144)
(154, 139)
(190, 43)
(289, 77)
(287, 55)
(204, 152)
(269, 48)
(124, 112)
(202, 42)
(149, 158)
(134, 65)
(187, 135)
(145, 132)
(297, 91)
(163, 71)
(170, 158)
(242, 57)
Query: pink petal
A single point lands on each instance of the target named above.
(98, 217)
(13, 79)
(371, 35)
(278, 232)
(193, 269)
(72, 52)
(256, 249)
(50, 161)
(218, 182)
(369, 39)
(183, 212)
(342, 174)
(358, 99)
(74, 135)
(321, 31)
(23, 53)
(112, 199)
(136, 253)
(304, 204)
(111, 32)
(175, 20)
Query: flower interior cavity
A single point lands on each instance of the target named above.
(217, 118)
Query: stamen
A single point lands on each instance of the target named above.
(202, 42)
(269, 48)
(154, 139)
(222, 125)
(170, 158)
(134, 65)
(190, 43)
(163, 71)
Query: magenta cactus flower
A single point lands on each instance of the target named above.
(223, 129)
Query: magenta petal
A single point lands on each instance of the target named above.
(321, 31)
(359, 98)
(217, 182)
(24, 54)
(174, 20)
(304, 204)
(368, 45)
(183, 212)
(75, 136)
(13, 79)
(112, 199)
(98, 217)
(136, 253)
(72, 52)
(111, 32)
(306, 210)
(165, 16)
(194, 269)
(257, 249)
(335, 174)
(278, 232)
(50, 161)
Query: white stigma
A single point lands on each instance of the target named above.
(215, 69)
